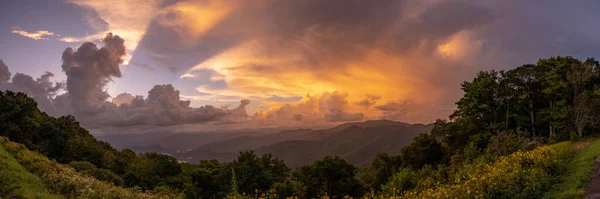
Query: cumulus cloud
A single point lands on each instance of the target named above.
(123, 98)
(393, 110)
(37, 35)
(41, 89)
(89, 69)
(328, 107)
(163, 106)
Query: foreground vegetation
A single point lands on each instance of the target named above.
(17, 182)
(493, 137)
(64, 180)
(519, 175)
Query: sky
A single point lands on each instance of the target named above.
(257, 63)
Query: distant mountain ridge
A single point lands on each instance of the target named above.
(357, 142)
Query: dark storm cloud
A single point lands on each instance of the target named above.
(368, 101)
(337, 115)
(4, 73)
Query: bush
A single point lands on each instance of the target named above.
(82, 166)
(505, 143)
(98, 173)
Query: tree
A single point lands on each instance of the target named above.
(258, 173)
(583, 112)
(424, 150)
(526, 81)
(385, 166)
(290, 189)
(331, 176)
(583, 108)
(151, 170)
(480, 101)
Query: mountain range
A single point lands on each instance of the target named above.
(356, 142)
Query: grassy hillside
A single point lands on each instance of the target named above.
(574, 179)
(48, 176)
(17, 182)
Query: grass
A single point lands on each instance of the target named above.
(17, 182)
(578, 170)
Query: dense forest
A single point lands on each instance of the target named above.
(501, 112)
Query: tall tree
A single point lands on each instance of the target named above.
(526, 81)
(579, 77)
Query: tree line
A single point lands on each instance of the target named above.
(500, 112)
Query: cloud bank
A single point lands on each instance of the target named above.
(376, 53)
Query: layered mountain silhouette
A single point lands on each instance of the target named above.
(356, 142)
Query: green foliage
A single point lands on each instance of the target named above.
(234, 188)
(151, 170)
(331, 176)
(290, 189)
(17, 182)
(257, 173)
(82, 166)
(412, 155)
(98, 173)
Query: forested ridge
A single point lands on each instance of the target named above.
(502, 118)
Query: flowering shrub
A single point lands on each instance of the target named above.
(68, 182)
(519, 175)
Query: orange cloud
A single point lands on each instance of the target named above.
(192, 19)
(37, 35)
(404, 54)
(127, 18)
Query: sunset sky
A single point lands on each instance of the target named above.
(298, 62)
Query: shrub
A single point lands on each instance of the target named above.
(82, 166)
(505, 143)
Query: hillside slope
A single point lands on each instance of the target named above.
(31, 175)
(17, 182)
